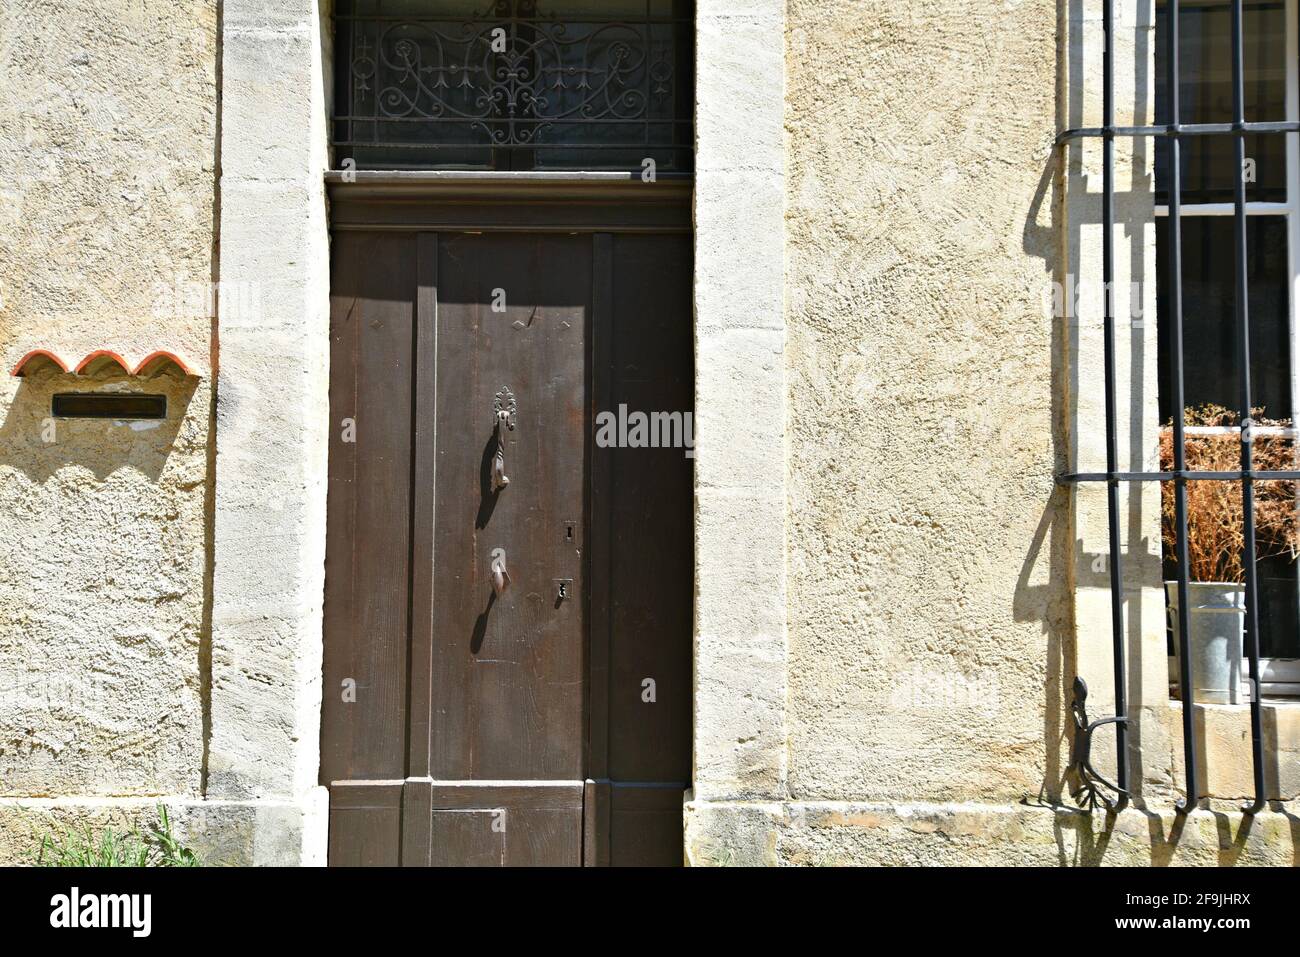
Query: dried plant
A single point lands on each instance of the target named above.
(1216, 528)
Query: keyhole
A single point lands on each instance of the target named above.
(568, 531)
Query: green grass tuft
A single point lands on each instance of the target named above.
(158, 847)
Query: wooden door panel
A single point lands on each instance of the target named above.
(519, 825)
(496, 730)
(468, 837)
(645, 826)
(365, 824)
(367, 540)
(507, 672)
(642, 555)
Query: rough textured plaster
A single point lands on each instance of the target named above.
(108, 134)
(107, 120)
(928, 600)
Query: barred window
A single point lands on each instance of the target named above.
(1227, 183)
(1210, 377)
(514, 84)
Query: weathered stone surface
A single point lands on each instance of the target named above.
(265, 833)
(109, 133)
(269, 527)
(836, 833)
(740, 629)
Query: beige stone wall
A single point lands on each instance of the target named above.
(943, 591)
(888, 577)
(929, 596)
(108, 117)
(741, 653)
(970, 834)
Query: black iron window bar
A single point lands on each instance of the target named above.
(513, 86)
(1094, 787)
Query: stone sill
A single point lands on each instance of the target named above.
(832, 833)
(1224, 748)
(284, 831)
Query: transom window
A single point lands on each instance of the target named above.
(514, 84)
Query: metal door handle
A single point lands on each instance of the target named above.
(503, 404)
(499, 478)
(500, 577)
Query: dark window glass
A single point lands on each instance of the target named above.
(1279, 609)
(514, 84)
(1205, 94)
(1209, 321)
(1209, 356)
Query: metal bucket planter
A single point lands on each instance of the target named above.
(1215, 631)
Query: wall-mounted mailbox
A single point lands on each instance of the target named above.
(108, 405)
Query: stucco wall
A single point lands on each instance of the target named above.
(928, 604)
(107, 137)
(886, 570)
(942, 588)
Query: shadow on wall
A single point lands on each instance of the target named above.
(1049, 602)
(35, 443)
(1048, 599)
(103, 588)
(1063, 209)
(1082, 840)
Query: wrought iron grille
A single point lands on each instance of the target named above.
(514, 84)
(1175, 135)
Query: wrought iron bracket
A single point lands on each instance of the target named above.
(1090, 787)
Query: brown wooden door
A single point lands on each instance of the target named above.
(462, 726)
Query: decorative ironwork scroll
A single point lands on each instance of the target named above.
(518, 84)
(1090, 787)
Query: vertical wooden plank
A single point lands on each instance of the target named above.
(595, 824)
(507, 671)
(340, 531)
(651, 516)
(366, 622)
(417, 818)
(455, 583)
(417, 815)
(598, 521)
(381, 625)
(423, 494)
(642, 519)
